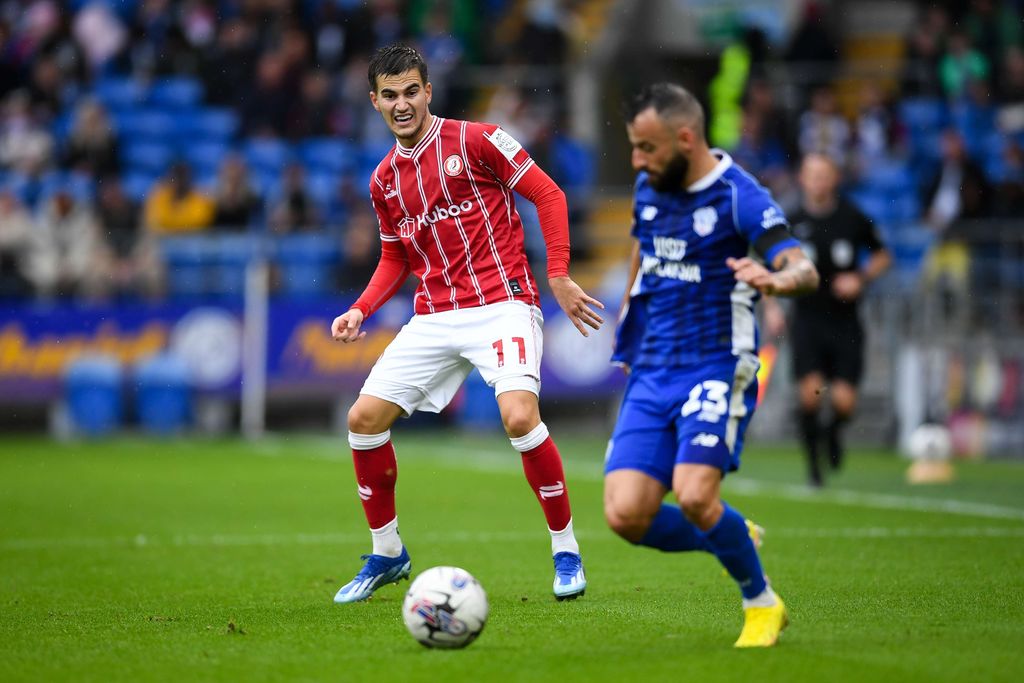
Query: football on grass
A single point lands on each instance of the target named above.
(445, 608)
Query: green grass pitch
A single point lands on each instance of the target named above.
(217, 560)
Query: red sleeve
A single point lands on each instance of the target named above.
(553, 212)
(392, 269)
(500, 152)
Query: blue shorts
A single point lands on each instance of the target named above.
(694, 415)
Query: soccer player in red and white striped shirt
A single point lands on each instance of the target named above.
(443, 197)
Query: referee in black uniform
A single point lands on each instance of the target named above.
(826, 334)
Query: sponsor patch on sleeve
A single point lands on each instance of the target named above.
(506, 144)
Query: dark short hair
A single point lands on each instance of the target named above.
(667, 100)
(393, 60)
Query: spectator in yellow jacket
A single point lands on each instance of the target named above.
(174, 206)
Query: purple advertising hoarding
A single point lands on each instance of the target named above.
(38, 341)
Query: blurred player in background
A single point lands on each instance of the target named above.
(826, 334)
(443, 197)
(688, 337)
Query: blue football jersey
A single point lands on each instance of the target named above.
(686, 306)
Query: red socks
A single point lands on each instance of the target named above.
(543, 467)
(376, 474)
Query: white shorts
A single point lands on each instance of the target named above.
(426, 363)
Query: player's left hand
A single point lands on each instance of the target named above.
(847, 286)
(577, 304)
(753, 273)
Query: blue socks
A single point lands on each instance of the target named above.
(731, 544)
(671, 532)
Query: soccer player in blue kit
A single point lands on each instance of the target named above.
(688, 338)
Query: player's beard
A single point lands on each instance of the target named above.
(672, 177)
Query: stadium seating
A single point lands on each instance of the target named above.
(186, 259)
(93, 391)
(119, 93)
(267, 154)
(163, 394)
(328, 155)
(146, 125)
(176, 93)
(923, 113)
(148, 157)
(208, 124)
(228, 257)
(306, 263)
(205, 157)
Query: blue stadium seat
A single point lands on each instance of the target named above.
(323, 189)
(892, 176)
(163, 394)
(267, 154)
(329, 155)
(909, 245)
(186, 260)
(137, 185)
(209, 124)
(229, 257)
(146, 124)
(205, 157)
(575, 163)
(306, 263)
(147, 157)
(875, 204)
(176, 93)
(81, 187)
(119, 93)
(93, 391)
(992, 155)
(61, 127)
(923, 113)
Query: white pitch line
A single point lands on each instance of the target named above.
(500, 461)
(881, 501)
(144, 541)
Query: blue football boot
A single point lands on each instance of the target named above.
(570, 581)
(378, 571)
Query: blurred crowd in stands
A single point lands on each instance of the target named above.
(928, 151)
(123, 123)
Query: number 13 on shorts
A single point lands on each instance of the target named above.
(518, 342)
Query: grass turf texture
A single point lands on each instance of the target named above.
(207, 560)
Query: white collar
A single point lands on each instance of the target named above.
(415, 150)
(725, 161)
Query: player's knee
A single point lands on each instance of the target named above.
(364, 421)
(844, 402)
(519, 420)
(630, 525)
(698, 507)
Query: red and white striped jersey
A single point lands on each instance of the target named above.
(448, 200)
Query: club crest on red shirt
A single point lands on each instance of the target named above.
(453, 165)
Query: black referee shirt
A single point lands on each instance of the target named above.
(835, 243)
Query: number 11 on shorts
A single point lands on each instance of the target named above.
(499, 346)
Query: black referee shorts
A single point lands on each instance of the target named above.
(832, 346)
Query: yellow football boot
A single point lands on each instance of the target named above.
(756, 533)
(762, 625)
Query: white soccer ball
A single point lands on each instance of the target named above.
(445, 608)
(930, 442)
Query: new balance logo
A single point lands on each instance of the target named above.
(365, 492)
(705, 440)
(552, 491)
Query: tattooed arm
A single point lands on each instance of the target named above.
(794, 273)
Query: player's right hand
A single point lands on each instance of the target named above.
(576, 304)
(345, 327)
